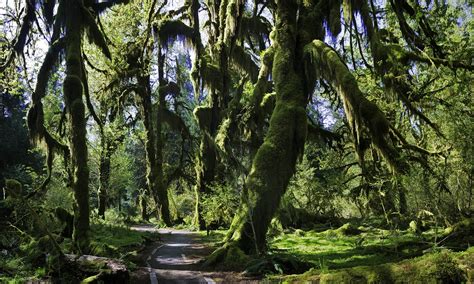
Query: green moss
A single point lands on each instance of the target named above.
(173, 29)
(268, 102)
(433, 268)
(221, 136)
(348, 229)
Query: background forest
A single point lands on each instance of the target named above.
(296, 129)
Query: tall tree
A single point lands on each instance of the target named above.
(76, 18)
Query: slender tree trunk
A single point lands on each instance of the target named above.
(143, 207)
(205, 171)
(104, 177)
(154, 155)
(73, 90)
(275, 161)
(147, 113)
(161, 184)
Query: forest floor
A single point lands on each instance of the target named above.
(177, 258)
(341, 254)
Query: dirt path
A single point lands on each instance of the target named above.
(177, 259)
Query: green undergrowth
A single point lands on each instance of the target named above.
(117, 241)
(34, 259)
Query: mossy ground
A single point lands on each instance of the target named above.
(358, 253)
(333, 249)
(370, 255)
(30, 263)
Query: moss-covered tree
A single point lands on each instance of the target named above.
(77, 18)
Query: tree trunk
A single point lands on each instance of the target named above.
(205, 171)
(207, 161)
(161, 184)
(150, 138)
(154, 155)
(275, 161)
(74, 104)
(143, 207)
(104, 177)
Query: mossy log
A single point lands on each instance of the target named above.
(98, 269)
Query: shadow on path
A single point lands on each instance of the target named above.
(177, 259)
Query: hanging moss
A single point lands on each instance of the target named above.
(203, 115)
(171, 30)
(13, 187)
(242, 59)
(94, 34)
(212, 77)
(359, 111)
(222, 134)
(268, 102)
(171, 88)
(334, 20)
(232, 16)
(175, 122)
(257, 26)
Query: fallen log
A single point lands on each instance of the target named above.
(99, 269)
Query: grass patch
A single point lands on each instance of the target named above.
(332, 250)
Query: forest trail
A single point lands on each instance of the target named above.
(177, 257)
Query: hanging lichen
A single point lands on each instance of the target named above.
(203, 115)
(171, 30)
(359, 111)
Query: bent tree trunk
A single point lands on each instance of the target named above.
(73, 90)
(275, 161)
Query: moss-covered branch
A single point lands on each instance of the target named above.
(323, 62)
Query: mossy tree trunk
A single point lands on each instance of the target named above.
(275, 161)
(205, 172)
(143, 206)
(154, 156)
(147, 117)
(73, 92)
(207, 159)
